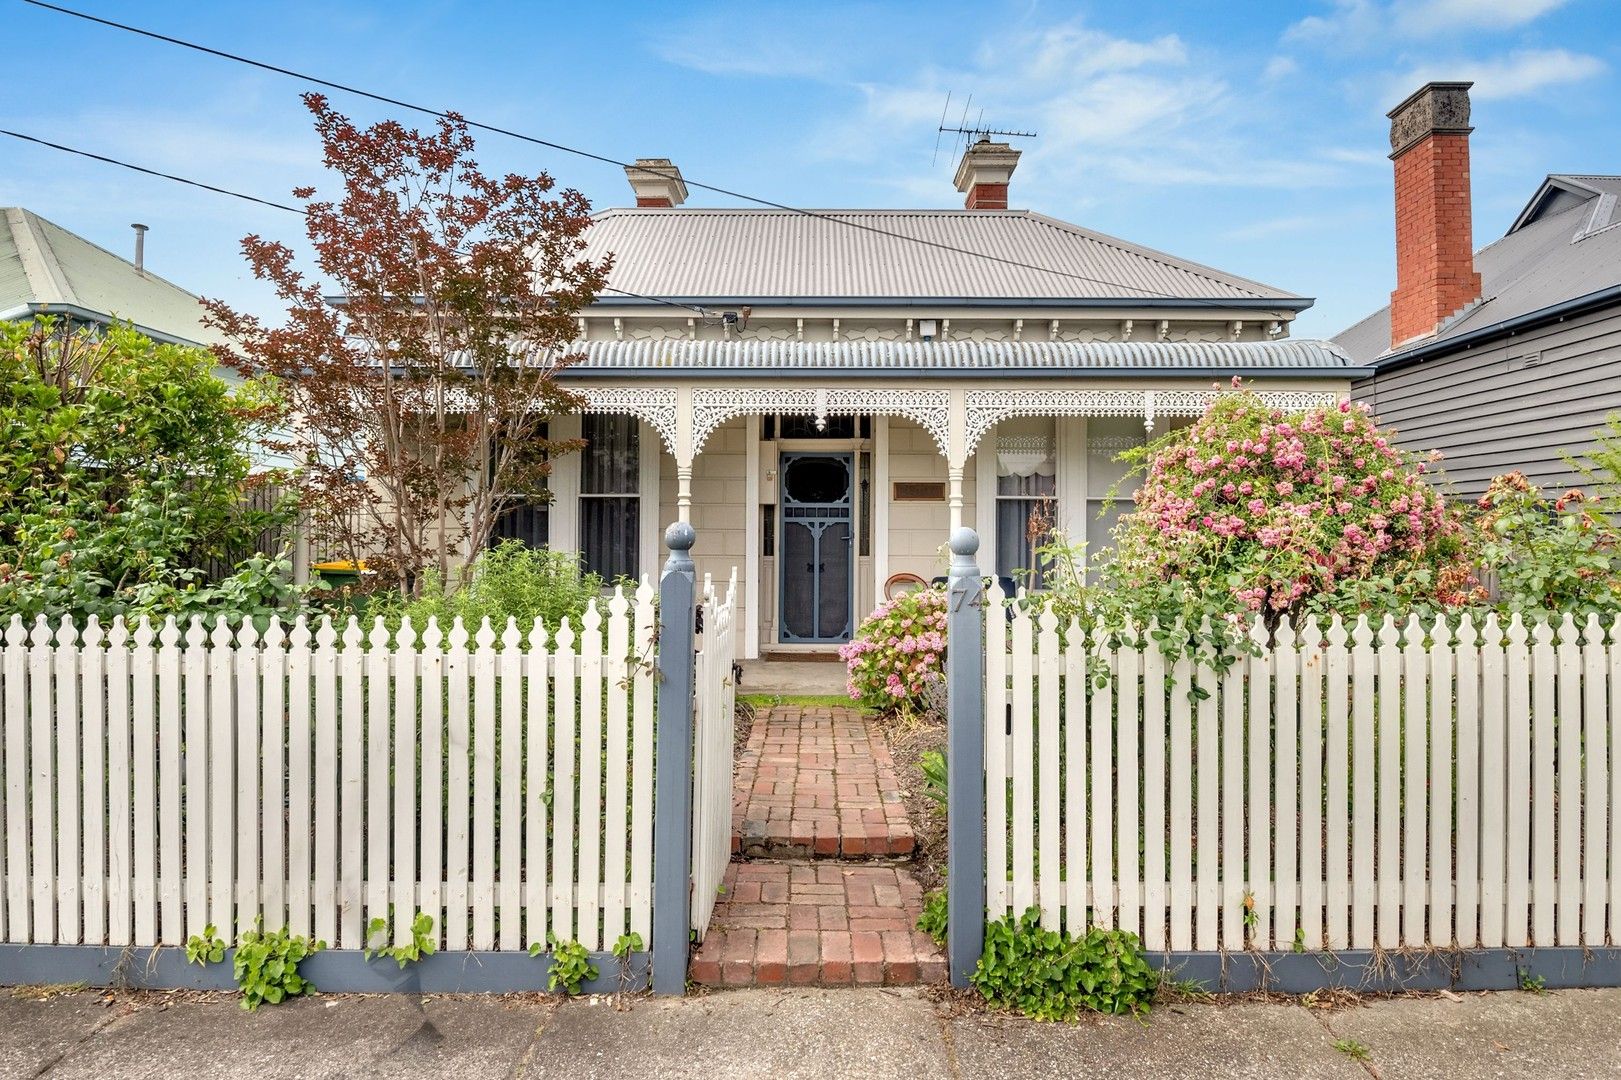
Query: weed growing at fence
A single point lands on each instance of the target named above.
(627, 944)
(1532, 984)
(571, 964)
(933, 920)
(205, 948)
(266, 966)
(1047, 976)
(933, 766)
(420, 945)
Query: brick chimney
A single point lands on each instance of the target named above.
(1435, 254)
(984, 172)
(656, 182)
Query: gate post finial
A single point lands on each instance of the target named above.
(965, 758)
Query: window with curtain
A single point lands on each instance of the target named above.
(610, 501)
(1026, 496)
(526, 516)
(1107, 437)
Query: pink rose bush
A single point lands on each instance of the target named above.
(1255, 510)
(898, 652)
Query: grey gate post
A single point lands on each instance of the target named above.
(965, 758)
(672, 806)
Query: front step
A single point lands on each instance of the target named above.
(817, 924)
(818, 783)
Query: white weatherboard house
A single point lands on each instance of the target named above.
(824, 395)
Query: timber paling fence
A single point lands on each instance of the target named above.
(159, 779)
(1383, 792)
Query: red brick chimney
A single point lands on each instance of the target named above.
(656, 182)
(983, 174)
(1435, 254)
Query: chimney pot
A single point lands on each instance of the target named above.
(656, 182)
(984, 172)
(1435, 255)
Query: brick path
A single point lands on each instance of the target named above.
(815, 785)
(818, 783)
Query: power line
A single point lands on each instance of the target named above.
(606, 160)
(150, 172)
(268, 202)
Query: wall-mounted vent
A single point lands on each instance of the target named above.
(919, 491)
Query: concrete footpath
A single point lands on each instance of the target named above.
(899, 1033)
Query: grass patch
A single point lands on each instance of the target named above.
(767, 701)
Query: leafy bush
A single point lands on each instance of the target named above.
(266, 966)
(1047, 976)
(123, 472)
(898, 652)
(510, 580)
(1560, 554)
(1254, 510)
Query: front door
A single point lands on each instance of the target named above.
(816, 552)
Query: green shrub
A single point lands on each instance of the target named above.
(1047, 976)
(123, 474)
(1559, 554)
(510, 580)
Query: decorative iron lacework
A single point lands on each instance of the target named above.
(930, 409)
(656, 405)
(987, 408)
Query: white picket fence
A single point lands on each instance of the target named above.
(159, 779)
(1357, 786)
(715, 701)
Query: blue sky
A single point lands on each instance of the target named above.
(1250, 136)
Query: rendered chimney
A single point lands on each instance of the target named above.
(656, 182)
(983, 174)
(1435, 253)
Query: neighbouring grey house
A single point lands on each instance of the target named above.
(45, 269)
(1505, 358)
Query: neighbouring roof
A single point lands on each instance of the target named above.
(43, 267)
(758, 255)
(1220, 359)
(1565, 245)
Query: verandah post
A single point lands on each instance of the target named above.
(965, 758)
(672, 815)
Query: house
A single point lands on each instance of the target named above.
(45, 269)
(1505, 358)
(824, 395)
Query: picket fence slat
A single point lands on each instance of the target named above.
(159, 780)
(1412, 784)
(997, 733)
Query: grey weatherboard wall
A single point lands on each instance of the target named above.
(1516, 403)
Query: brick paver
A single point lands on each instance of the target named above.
(823, 923)
(818, 783)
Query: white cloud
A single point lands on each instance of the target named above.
(1514, 75)
(1364, 23)
(1279, 67)
(1434, 16)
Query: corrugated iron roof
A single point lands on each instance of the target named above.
(703, 253)
(1289, 356)
(42, 263)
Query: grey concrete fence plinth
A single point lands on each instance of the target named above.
(965, 758)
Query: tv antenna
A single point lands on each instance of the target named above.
(964, 133)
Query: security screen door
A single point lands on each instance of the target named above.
(815, 550)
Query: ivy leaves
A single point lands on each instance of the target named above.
(1048, 976)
